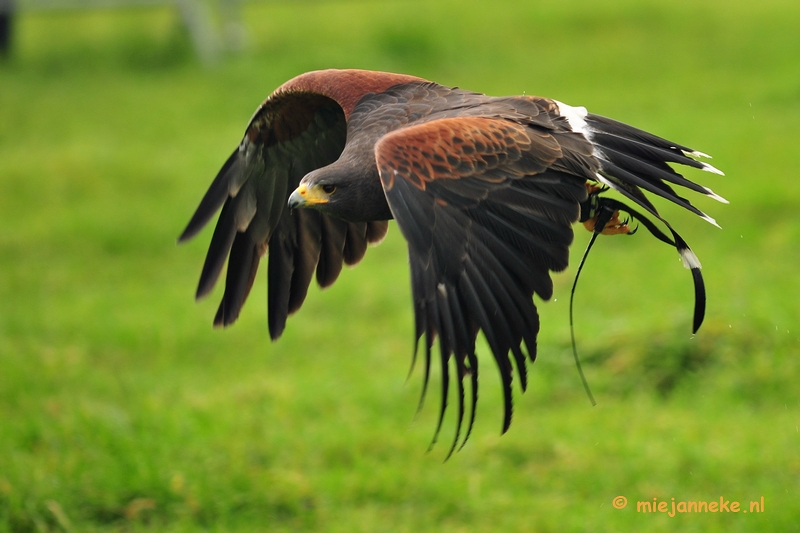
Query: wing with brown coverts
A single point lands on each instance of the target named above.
(289, 136)
(487, 216)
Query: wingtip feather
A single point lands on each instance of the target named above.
(710, 220)
(689, 258)
(712, 169)
(715, 196)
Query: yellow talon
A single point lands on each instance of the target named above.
(615, 226)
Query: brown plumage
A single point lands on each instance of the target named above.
(485, 190)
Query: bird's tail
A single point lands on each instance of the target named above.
(633, 160)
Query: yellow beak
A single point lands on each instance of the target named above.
(305, 196)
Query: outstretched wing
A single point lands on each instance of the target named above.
(288, 137)
(486, 206)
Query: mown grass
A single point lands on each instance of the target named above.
(121, 409)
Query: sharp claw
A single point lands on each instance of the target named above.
(598, 210)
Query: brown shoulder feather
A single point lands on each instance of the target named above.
(346, 87)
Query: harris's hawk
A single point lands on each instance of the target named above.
(484, 189)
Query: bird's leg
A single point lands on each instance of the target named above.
(615, 226)
(600, 216)
(594, 206)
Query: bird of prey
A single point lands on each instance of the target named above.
(484, 189)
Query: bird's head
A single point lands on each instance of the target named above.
(343, 191)
(312, 196)
(322, 190)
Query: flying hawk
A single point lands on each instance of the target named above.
(484, 189)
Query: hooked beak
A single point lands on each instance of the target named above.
(305, 196)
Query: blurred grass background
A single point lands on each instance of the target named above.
(121, 409)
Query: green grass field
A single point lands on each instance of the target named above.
(122, 409)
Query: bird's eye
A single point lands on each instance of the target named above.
(328, 188)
